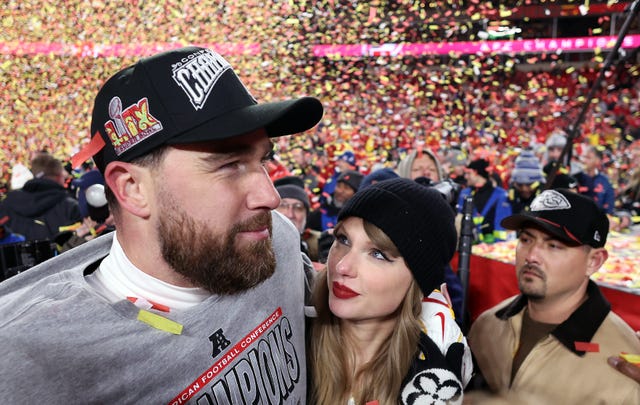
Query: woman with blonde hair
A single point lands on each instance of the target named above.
(368, 342)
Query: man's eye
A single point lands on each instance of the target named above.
(234, 165)
(554, 245)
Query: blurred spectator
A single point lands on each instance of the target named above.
(294, 204)
(325, 217)
(97, 220)
(490, 203)
(561, 179)
(378, 175)
(593, 183)
(454, 164)
(420, 163)
(525, 182)
(345, 161)
(554, 145)
(6, 234)
(43, 206)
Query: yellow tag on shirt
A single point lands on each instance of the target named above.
(159, 322)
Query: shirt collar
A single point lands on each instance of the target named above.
(581, 326)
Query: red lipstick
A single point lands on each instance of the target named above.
(343, 292)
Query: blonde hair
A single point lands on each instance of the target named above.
(331, 353)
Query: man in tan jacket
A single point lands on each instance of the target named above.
(552, 341)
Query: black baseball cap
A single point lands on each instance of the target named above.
(186, 95)
(480, 166)
(351, 178)
(572, 218)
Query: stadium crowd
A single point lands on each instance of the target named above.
(378, 106)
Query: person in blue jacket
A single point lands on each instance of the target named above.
(7, 236)
(593, 183)
(490, 203)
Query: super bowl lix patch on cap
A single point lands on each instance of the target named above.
(183, 96)
(129, 126)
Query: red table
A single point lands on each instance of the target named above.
(492, 281)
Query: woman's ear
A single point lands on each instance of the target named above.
(130, 185)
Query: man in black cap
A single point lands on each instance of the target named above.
(490, 203)
(344, 161)
(196, 297)
(553, 339)
(326, 216)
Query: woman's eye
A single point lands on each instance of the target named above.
(342, 239)
(378, 254)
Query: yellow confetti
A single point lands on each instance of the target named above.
(631, 358)
(7, 22)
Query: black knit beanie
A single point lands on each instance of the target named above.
(418, 221)
(292, 187)
(295, 192)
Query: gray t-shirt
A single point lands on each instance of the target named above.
(63, 343)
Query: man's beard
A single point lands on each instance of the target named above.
(532, 292)
(212, 261)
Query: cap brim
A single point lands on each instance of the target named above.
(278, 118)
(517, 222)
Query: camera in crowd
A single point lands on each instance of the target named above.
(449, 189)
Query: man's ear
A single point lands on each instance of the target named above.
(596, 259)
(130, 185)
